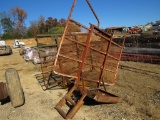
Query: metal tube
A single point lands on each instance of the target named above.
(93, 12)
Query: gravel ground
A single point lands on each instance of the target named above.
(139, 92)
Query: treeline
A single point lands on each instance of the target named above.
(12, 25)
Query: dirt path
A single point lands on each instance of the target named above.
(139, 92)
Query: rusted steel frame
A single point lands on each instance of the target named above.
(113, 57)
(129, 56)
(62, 102)
(103, 53)
(92, 48)
(104, 62)
(99, 67)
(46, 63)
(76, 106)
(79, 24)
(61, 55)
(98, 51)
(108, 40)
(40, 58)
(75, 41)
(105, 37)
(102, 33)
(103, 96)
(119, 57)
(100, 95)
(3, 91)
(70, 51)
(64, 32)
(62, 74)
(93, 12)
(84, 56)
(41, 63)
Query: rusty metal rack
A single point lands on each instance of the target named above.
(138, 54)
(90, 57)
(141, 58)
(47, 50)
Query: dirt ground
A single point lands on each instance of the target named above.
(138, 86)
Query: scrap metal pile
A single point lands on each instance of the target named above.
(87, 59)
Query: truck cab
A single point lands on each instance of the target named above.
(17, 43)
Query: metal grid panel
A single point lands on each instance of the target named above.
(47, 49)
(89, 55)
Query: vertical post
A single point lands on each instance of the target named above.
(69, 16)
(84, 55)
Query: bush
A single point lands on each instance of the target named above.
(56, 30)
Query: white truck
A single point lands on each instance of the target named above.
(18, 44)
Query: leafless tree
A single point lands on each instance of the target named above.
(19, 14)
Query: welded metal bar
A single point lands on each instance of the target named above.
(79, 24)
(93, 12)
(84, 56)
(75, 41)
(70, 76)
(104, 62)
(119, 57)
(108, 40)
(46, 64)
(92, 48)
(99, 67)
(70, 58)
(63, 35)
(76, 107)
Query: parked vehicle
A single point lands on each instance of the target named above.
(5, 49)
(18, 44)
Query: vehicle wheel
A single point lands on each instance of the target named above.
(20, 46)
(14, 87)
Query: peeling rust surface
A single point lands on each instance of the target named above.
(3, 91)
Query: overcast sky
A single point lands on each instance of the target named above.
(110, 12)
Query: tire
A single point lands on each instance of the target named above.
(20, 46)
(14, 87)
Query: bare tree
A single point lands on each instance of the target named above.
(19, 14)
